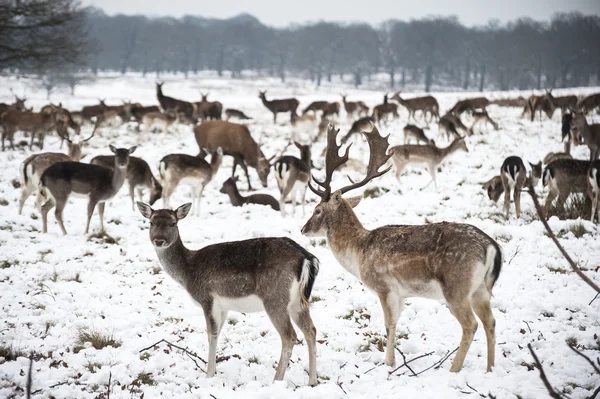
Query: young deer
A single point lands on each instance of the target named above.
(230, 188)
(451, 261)
(34, 166)
(513, 176)
(416, 133)
(274, 275)
(563, 177)
(97, 183)
(593, 182)
(193, 171)
(138, 176)
(276, 106)
(482, 116)
(234, 113)
(292, 176)
(494, 188)
(427, 156)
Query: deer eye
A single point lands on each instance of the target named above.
(318, 212)
(151, 223)
(173, 224)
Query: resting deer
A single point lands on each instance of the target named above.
(482, 116)
(593, 183)
(513, 176)
(427, 156)
(292, 176)
(563, 177)
(138, 176)
(274, 275)
(588, 134)
(451, 261)
(427, 105)
(276, 106)
(193, 171)
(416, 133)
(235, 113)
(230, 188)
(97, 183)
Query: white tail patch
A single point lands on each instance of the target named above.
(162, 169)
(594, 179)
(307, 266)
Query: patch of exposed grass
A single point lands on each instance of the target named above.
(558, 270)
(547, 314)
(254, 359)
(145, 356)
(578, 230)
(16, 183)
(76, 278)
(171, 319)
(349, 315)
(10, 353)
(576, 206)
(144, 379)
(54, 276)
(232, 322)
(102, 238)
(571, 341)
(115, 221)
(375, 192)
(93, 366)
(3, 202)
(6, 227)
(88, 253)
(34, 216)
(96, 339)
(316, 298)
(5, 264)
(155, 270)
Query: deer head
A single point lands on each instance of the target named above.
(163, 223)
(262, 94)
(332, 206)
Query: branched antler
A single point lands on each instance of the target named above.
(332, 162)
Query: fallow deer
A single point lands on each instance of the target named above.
(471, 104)
(35, 123)
(274, 275)
(162, 119)
(587, 104)
(425, 156)
(357, 127)
(383, 110)
(494, 188)
(331, 109)
(34, 166)
(539, 103)
(451, 261)
(427, 105)
(563, 177)
(554, 156)
(168, 103)
(518, 102)
(593, 182)
(482, 116)
(138, 176)
(19, 105)
(587, 134)
(195, 172)
(567, 136)
(449, 124)
(235, 113)
(208, 109)
(237, 199)
(564, 103)
(282, 105)
(97, 183)
(292, 176)
(416, 133)
(354, 107)
(236, 141)
(314, 107)
(513, 175)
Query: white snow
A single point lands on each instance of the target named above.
(123, 292)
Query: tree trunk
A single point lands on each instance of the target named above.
(403, 81)
(428, 77)
(482, 77)
(467, 74)
(392, 73)
(282, 67)
(331, 62)
(538, 73)
(220, 62)
(319, 75)
(357, 77)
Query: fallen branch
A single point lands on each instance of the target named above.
(108, 387)
(29, 379)
(190, 354)
(475, 390)
(515, 254)
(410, 361)
(547, 384)
(590, 361)
(439, 363)
(598, 294)
(404, 360)
(339, 384)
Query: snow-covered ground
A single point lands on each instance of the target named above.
(52, 287)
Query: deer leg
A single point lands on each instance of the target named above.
(90, 212)
(464, 314)
(303, 320)
(101, 213)
(245, 169)
(281, 320)
(284, 194)
(432, 173)
(49, 204)
(132, 195)
(58, 213)
(303, 197)
(506, 186)
(214, 323)
(483, 310)
(392, 306)
(26, 191)
(552, 194)
(275, 118)
(31, 142)
(517, 193)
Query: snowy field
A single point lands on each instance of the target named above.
(52, 287)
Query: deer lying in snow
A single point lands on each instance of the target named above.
(274, 275)
(97, 183)
(193, 171)
(513, 175)
(230, 188)
(427, 156)
(292, 176)
(455, 262)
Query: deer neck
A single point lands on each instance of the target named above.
(265, 102)
(174, 260)
(346, 237)
(445, 152)
(235, 197)
(118, 177)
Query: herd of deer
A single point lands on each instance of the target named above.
(455, 262)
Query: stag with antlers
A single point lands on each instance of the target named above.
(451, 261)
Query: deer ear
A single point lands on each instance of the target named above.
(112, 148)
(183, 210)
(298, 145)
(145, 209)
(354, 201)
(132, 149)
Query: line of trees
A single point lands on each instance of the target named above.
(60, 38)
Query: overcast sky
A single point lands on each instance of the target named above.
(285, 12)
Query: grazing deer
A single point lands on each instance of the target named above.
(354, 107)
(236, 141)
(357, 127)
(593, 183)
(563, 177)
(314, 107)
(196, 172)
(331, 109)
(482, 116)
(97, 183)
(383, 110)
(138, 176)
(588, 134)
(427, 105)
(539, 103)
(513, 176)
(235, 113)
(168, 103)
(164, 120)
(471, 104)
(92, 111)
(292, 176)
(209, 109)
(31, 171)
(564, 103)
(451, 261)
(276, 106)
(494, 188)
(518, 102)
(416, 133)
(274, 275)
(35, 123)
(587, 104)
(230, 188)
(138, 112)
(427, 156)
(448, 124)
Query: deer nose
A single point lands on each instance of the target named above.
(159, 243)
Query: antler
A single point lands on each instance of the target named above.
(332, 162)
(92, 135)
